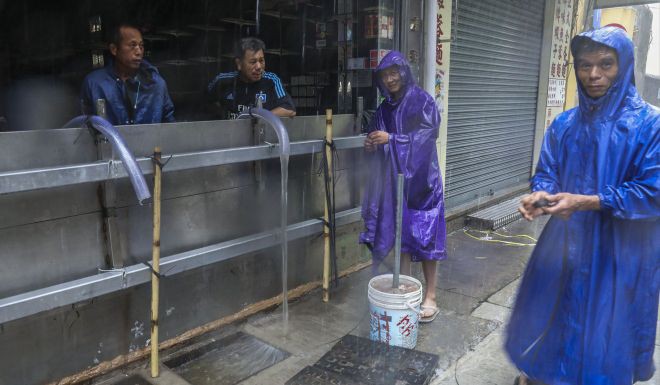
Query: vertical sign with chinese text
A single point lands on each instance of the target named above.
(559, 59)
(442, 50)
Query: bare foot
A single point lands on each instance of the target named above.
(428, 308)
(526, 381)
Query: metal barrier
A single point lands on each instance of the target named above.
(21, 181)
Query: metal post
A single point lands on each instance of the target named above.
(326, 215)
(358, 115)
(108, 198)
(399, 219)
(259, 136)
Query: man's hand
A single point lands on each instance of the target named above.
(283, 112)
(375, 138)
(529, 207)
(564, 205)
(369, 145)
(379, 137)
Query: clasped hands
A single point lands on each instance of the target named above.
(562, 205)
(375, 138)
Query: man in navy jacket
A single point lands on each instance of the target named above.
(132, 91)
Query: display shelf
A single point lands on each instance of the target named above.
(208, 28)
(281, 52)
(377, 9)
(206, 59)
(176, 33)
(279, 15)
(237, 21)
(156, 38)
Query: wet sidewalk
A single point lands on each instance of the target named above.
(476, 289)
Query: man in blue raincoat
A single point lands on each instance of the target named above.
(402, 140)
(587, 306)
(129, 89)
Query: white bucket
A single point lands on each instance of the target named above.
(394, 317)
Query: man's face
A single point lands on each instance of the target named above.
(130, 51)
(597, 71)
(391, 79)
(252, 65)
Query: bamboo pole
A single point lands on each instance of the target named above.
(326, 215)
(155, 264)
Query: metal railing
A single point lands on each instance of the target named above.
(67, 293)
(49, 177)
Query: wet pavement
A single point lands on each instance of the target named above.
(476, 289)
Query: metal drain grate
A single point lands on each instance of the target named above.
(227, 361)
(360, 361)
(494, 217)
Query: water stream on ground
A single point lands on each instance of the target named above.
(283, 138)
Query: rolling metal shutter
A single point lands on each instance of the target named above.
(493, 83)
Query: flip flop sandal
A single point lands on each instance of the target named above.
(431, 317)
(529, 381)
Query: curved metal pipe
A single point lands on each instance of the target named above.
(285, 150)
(109, 131)
(275, 122)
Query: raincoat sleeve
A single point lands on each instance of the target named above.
(421, 138)
(546, 177)
(86, 106)
(639, 196)
(168, 108)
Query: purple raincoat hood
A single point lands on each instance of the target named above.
(394, 58)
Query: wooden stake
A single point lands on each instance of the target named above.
(155, 264)
(326, 215)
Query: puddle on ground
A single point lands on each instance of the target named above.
(227, 361)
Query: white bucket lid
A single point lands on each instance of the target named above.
(394, 300)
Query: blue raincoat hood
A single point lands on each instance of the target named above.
(624, 85)
(587, 306)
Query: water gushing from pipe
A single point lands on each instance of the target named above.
(128, 161)
(283, 138)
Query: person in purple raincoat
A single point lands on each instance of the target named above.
(402, 140)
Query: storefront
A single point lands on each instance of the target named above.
(322, 50)
(220, 212)
(493, 86)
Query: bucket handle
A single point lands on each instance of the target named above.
(411, 307)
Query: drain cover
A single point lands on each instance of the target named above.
(227, 361)
(494, 217)
(360, 361)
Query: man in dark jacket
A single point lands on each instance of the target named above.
(128, 90)
(250, 85)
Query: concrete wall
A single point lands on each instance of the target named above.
(653, 59)
(53, 236)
